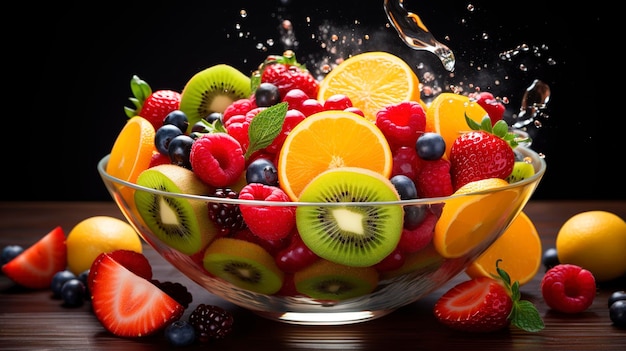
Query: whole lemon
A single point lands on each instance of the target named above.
(596, 241)
(95, 235)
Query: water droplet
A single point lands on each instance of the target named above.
(243, 13)
(470, 8)
(414, 33)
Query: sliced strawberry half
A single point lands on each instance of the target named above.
(35, 267)
(478, 305)
(128, 305)
(133, 261)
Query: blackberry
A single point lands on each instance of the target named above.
(226, 216)
(211, 322)
(175, 290)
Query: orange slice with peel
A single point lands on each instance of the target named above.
(327, 140)
(446, 115)
(476, 216)
(519, 248)
(372, 80)
(132, 150)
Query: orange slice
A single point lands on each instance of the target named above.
(132, 149)
(477, 217)
(372, 80)
(446, 116)
(330, 139)
(519, 247)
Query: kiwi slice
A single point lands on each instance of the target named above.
(182, 224)
(521, 170)
(326, 280)
(243, 264)
(212, 90)
(353, 235)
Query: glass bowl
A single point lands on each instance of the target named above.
(421, 272)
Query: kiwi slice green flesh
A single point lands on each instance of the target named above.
(212, 90)
(326, 280)
(180, 223)
(521, 171)
(243, 264)
(353, 235)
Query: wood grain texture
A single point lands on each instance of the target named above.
(32, 320)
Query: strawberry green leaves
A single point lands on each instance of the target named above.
(499, 129)
(524, 314)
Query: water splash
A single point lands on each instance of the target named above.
(535, 100)
(414, 33)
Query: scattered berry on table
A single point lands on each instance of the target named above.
(180, 333)
(58, 280)
(175, 290)
(617, 313)
(73, 293)
(211, 322)
(9, 252)
(568, 288)
(550, 258)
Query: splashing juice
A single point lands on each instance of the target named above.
(414, 33)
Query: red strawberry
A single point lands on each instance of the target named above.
(268, 222)
(481, 153)
(153, 106)
(131, 260)
(35, 267)
(568, 288)
(217, 159)
(493, 106)
(128, 305)
(286, 73)
(486, 304)
(480, 305)
(433, 179)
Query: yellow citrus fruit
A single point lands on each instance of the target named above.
(372, 80)
(132, 149)
(596, 241)
(327, 140)
(472, 218)
(95, 235)
(519, 248)
(446, 115)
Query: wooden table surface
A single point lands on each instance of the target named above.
(32, 320)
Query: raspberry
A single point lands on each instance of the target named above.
(211, 322)
(413, 240)
(434, 179)
(568, 288)
(268, 222)
(217, 159)
(402, 123)
(175, 290)
(226, 216)
(239, 107)
(406, 162)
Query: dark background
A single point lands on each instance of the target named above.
(68, 68)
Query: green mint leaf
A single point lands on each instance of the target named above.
(265, 126)
(525, 316)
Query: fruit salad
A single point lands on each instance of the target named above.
(263, 145)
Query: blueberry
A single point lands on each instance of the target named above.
(177, 118)
(430, 146)
(9, 252)
(84, 277)
(550, 258)
(617, 312)
(164, 135)
(214, 116)
(266, 94)
(73, 292)
(405, 187)
(262, 171)
(617, 296)
(180, 333)
(58, 280)
(179, 150)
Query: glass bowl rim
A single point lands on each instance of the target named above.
(420, 201)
